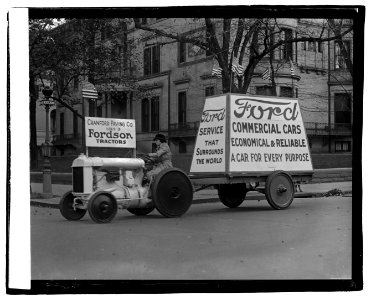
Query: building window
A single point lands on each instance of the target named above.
(182, 52)
(209, 91)
(118, 104)
(304, 46)
(311, 46)
(342, 146)
(155, 113)
(339, 58)
(194, 52)
(182, 147)
(52, 119)
(286, 91)
(189, 52)
(145, 115)
(320, 46)
(75, 125)
(286, 48)
(151, 114)
(182, 108)
(265, 90)
(342, 107)
(61, 124)
(99, 111)
(152, 60)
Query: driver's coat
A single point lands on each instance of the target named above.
(162, 158)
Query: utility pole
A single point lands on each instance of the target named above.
(47, 173)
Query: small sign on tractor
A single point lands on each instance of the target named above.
(244, 143)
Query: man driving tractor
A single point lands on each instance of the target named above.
(162, 157)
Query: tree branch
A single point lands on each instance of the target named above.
(303, 39)
(343, 49)
(178, 37)
(68, 106)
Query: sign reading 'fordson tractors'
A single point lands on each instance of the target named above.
(103, 132)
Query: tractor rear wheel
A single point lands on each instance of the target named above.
(172, 192)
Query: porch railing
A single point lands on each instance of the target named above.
(315, 128)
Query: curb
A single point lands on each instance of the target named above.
(44, 204)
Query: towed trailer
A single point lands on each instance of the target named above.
(244, 143)
(251, 143)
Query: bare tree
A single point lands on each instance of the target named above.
(337, 27)
(66, 53)
(246, 40)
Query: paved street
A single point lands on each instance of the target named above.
(312, 239)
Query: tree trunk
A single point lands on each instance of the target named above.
(33, 135)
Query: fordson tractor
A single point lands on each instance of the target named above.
(103, 185)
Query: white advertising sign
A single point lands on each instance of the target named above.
(209, 152)
(267, 134)
(103, 132)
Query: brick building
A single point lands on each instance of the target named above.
(177, 78)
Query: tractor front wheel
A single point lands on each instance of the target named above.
(102, 207)
(67, 209)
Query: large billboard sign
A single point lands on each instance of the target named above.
(267, 134)
(103, 132)
(240, 134)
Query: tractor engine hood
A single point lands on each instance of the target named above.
(107, 162)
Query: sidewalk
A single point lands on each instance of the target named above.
(203, 196)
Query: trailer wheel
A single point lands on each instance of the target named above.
(67, 210)
(140, 211)
(279, 190)
(172, 192)
(102, 207)
(232, 195)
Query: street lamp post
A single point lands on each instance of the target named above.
(47, 174)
